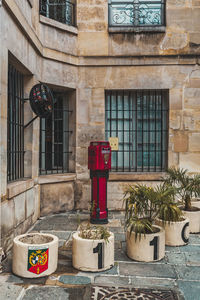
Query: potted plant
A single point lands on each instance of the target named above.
(187, 188)
(171, 217)
(144, 240)
(92, 248)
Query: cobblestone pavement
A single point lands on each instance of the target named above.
(175, 277)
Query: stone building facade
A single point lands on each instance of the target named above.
(106, 71)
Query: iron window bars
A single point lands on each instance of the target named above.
(54, 138)
(15, 125)
(140, 121)
(137, 13)
(60, 10)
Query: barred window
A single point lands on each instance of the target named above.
(54, 138)
(140, 121)
(15, 125)
(60, 10)
(137, 13)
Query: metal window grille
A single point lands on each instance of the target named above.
(137, 13)
(140, 121)
(60, 10)
(15, 125)
(54, 138)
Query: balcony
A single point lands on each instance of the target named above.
(63, 11)
(137, 14)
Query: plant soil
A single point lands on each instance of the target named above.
(36, 239)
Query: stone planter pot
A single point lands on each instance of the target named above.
(151, 247)
(194, 219)
(176, 233)
(196, 202)
(92, 255)
(35, 255)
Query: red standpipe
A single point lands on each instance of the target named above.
(99, 164)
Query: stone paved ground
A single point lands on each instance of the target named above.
(176, 277)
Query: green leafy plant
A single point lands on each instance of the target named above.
(141, 204)
(186, 186)
(168, 208)
(91, 232)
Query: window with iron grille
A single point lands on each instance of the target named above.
(137, 13)
(60, 10)
(140, 121)
(15, 125)
(54, 138)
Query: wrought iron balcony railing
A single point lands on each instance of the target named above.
(60, 10)
(136, 13)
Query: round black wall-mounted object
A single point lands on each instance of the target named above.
(41, 100)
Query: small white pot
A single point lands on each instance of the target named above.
(194, 217)
(92, 255)
(176, 233)
(151, 247)
(35, 255)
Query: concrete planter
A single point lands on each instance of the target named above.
(194, 217)
(196, 202)
(176, 233)
(35, 255)
(151, 247)
(92, 255)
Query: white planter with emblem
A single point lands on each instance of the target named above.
(92, 255)
(35, 255)
(176, 233)
(150, 247)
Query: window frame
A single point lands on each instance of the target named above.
(53, 134)
(44, 11)
(136, 27)
(15, 124)
(164, 131)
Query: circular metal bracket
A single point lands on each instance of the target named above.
(41, 100)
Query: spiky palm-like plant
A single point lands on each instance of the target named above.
(187, 186)
(141, 204)
(168, 208)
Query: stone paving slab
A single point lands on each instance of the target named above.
(192, 259)
(190, 289)
(46, 293)
(194, 239)
(172, 249)
(10, 291)
(74, 280)
(176, 258)
(150, 270)
(62, 235)
(190, 248)
(112, 271)
(149, 282)
(188, 273)
(112, 280)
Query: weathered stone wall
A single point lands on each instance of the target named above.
(85, 61)
(22, 47)
(57, 193)
(181, 34)
(19, 211)
(183, 85)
